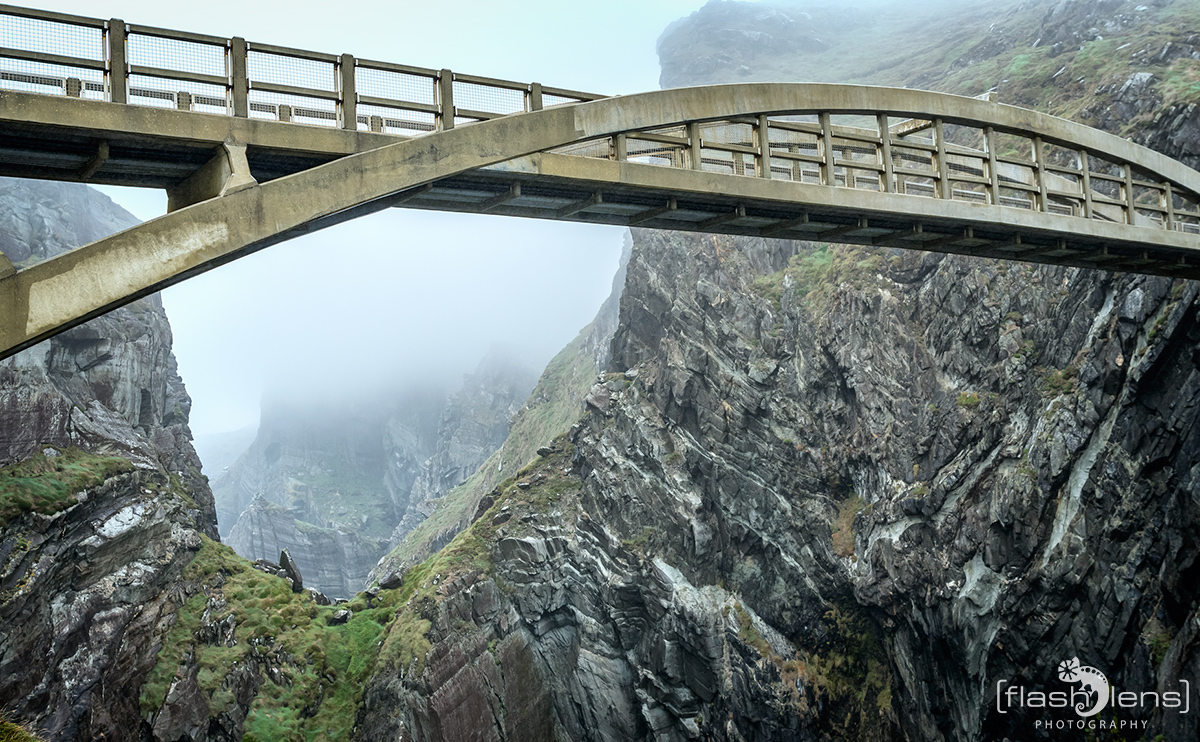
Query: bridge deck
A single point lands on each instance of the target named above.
(210, 118)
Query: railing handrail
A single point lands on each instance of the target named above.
(116, 36)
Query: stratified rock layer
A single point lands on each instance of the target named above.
(85, 593)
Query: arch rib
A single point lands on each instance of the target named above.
(59, 293)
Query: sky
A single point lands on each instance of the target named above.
(404, 293)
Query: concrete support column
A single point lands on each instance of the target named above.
(227, 172)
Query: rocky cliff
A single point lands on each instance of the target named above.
(340, 482)
(102, 503)
(831, 492)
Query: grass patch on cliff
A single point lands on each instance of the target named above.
(850, 665)
(13, 732)
(310, 673)
(817, 273)
(47, 484)
(843, 526)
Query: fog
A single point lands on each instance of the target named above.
(402, 296)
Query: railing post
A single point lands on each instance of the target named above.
(1169, 203)
(73, 87)
(764, 147)
(118, 79)
(239, 78)
(695, 146)
(1039, 161)
(535, 96)
(885, 152)
(183, 100)
(620, 148)
(993, 167)
(939, 134)
(445, 86)
(349, 93)
(1085, 169)
(827, 163)
(1130, 208)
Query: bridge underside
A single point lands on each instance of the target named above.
(737, 160)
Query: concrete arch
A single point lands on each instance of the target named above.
(50, 297)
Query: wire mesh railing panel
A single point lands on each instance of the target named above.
(969, 137)
(915, 185)
(1053, 154)
(51, 37)
(175, 54)
(549, 100)
(294, 108)
(397, 86)
(724, 132)
(488, 98)
(654, 153)
(598, 149)
(184, 95)
(394, 120)
(1063, 182)
(853, 151)
(913, 159)
(1013, 146)
(279, 69)
(728, 163)
(50, 79)
(973, 192)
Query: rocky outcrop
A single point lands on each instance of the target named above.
(554, 405)
(334, 560)
(338, 483)
(474, 423)
(831, 492)
(108, 498)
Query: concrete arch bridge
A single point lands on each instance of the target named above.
(256, 144)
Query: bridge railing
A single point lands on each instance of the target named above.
(75, 56)
(972, 161)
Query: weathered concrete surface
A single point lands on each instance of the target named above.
(48, 298)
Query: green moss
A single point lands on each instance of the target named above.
(843, 530)
(47, 485)
(748, 634)
(407, 640)
(819, 271)
(1061, 381)
(851, 665)
(968, 400)
(321, 669)
(13, 732)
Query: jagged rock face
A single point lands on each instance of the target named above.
(340, 484)
(84, 594)
(575, 634)
(1008, 456)
(333, 560)
(985, 468)
(1022, 442)
(87, 596)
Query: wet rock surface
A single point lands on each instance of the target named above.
(85, 592)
